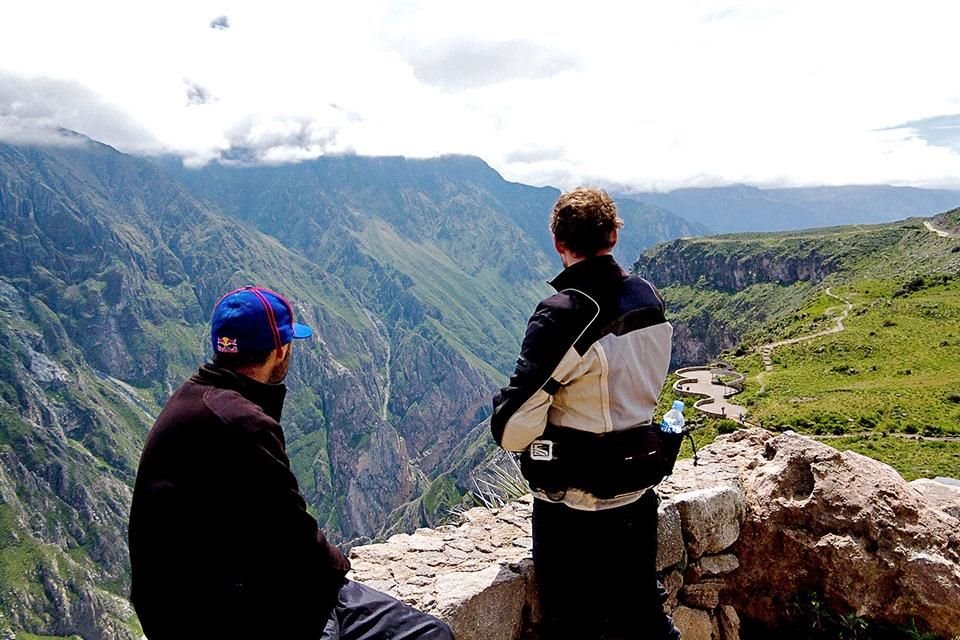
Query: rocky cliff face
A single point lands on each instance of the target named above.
(692, 262)
(744, 537)
(720, 290)
(416, 275)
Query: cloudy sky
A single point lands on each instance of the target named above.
(641, 95)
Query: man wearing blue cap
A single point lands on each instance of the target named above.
(221, 543)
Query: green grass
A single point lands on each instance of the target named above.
(895, 367)
(442, 494)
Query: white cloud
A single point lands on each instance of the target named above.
(648, 95)
(36, 110)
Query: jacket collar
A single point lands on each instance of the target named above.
(268, 397)
(591, 271)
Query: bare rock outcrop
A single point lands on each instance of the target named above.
(761, 522)
(477, 575)
(846, 526)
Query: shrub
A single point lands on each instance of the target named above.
(889, 323)
(727, 426)
(916, 284)
(845, 369)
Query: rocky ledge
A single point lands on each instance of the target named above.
(762, 521)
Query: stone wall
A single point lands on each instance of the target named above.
(762, 520)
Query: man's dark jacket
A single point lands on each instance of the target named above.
(221, 544)
(592, 364)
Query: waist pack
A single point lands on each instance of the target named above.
(605, 465)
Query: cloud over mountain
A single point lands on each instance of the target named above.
(644, 95)
(39, 110)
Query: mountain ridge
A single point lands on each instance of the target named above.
(745, 208)
(418, 290)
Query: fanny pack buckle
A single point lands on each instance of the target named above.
(541, 450)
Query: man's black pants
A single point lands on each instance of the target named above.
(596, 571)
(363, 613)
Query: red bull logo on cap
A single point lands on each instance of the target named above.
(227, 345)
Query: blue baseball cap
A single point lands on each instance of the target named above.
(254, 319)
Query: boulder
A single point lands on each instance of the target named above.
(845, 526)
(712, 566)
(693, 624)
(764, 520)
(711, 518)
(476, 576)
(670, 549)
(729, 623)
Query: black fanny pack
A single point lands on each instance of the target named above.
(605, 465)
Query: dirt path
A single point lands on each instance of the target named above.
(942, 234)
(891, 434)
(766, 351)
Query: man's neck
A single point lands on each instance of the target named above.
(260, 374)
(569, 259)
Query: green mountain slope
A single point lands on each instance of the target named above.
(471, 247)
(892, 369)
(417, 277)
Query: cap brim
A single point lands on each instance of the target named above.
(301, 331)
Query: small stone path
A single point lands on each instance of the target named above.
(699, 381)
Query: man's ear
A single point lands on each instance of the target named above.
(558, 246)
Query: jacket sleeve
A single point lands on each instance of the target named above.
(273, 494)
(520, 409)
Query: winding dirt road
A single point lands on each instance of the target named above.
(942, 234)
(767, 350)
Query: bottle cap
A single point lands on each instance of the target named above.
(678, 405)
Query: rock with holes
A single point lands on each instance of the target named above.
(836, 523)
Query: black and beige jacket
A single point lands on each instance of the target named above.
(593, 361)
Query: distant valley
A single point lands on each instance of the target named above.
(885, 385)
(418, 277)
(742, 208)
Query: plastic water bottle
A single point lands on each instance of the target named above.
(673, 419)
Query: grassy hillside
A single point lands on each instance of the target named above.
(887, 384)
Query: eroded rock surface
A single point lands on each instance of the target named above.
(762, 521)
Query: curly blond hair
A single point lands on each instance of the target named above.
(584, 221)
